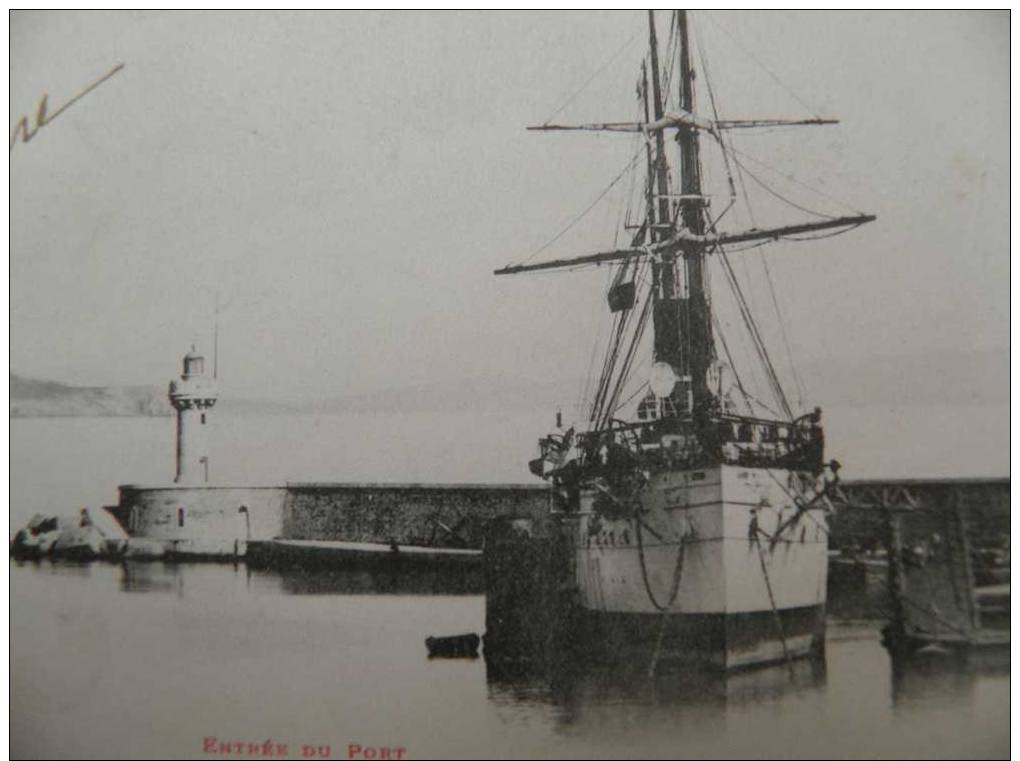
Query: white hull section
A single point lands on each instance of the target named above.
(704, 520)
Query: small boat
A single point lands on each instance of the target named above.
(456, 646)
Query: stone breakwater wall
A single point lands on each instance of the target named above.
(218, 521)
(207, 520)
(435, 515)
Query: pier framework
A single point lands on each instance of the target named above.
(862, 506)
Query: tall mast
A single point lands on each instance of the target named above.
(666, 316)
(650, 178)
(699, 326)
(661, 173)
(677, 225)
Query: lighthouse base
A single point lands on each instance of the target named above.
(199, 522)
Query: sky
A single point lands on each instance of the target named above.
(345, 184)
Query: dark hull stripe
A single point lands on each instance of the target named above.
(733, 640)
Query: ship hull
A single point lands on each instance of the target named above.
(725, 641)
(721, 566)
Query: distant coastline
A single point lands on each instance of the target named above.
(956, 380)
(31, 397)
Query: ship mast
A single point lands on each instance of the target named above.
(679, 232)
(666, 312)
(661, 172)
(692, 204)
(682, 326)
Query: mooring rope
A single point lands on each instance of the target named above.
(772, 599)
(677, 571)
(664, 609)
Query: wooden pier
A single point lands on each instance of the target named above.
(947, 548)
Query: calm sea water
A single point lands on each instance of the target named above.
(149, 660)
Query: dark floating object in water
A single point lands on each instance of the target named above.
(456, 646)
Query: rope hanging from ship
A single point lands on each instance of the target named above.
(677, 570)
(755, 538)
(631, 507)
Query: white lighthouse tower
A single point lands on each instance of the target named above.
(193, 396)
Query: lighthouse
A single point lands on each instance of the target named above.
(193, 396)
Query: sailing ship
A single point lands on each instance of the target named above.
(694, 520)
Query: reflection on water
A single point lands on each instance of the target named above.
(150, 577)
(945, 679)
(162, 577)
(572, 682)
(63, 567)
(449, 581)
(147, 659)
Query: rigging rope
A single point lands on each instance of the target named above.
(765, 406)
(782, 325)
(782, 330)
(589, 376)
(756, 338)
(612, 351)
(764, 68)
(588, 208)
(627, 362)
(792, 180)
(743, 187)
(599, 404)
(732, 188)
(591, 79)
(630, 398)
(733, 367)
(776, 194)
(715, 117)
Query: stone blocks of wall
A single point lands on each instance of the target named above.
(417, 514)
(202, 520)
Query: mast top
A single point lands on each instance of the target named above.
(674, 241)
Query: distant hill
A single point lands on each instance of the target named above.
(479, 394)
(31, 397)
(950, 379)
(953, 380)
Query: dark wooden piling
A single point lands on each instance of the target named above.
(530, 596)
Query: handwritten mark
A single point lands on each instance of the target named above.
(24, 129)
